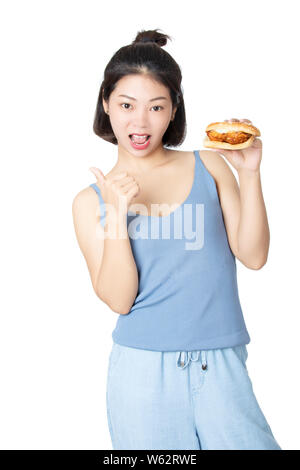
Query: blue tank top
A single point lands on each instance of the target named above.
(187, 297)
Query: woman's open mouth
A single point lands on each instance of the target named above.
(139, 141)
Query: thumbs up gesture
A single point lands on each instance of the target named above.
(117, 191)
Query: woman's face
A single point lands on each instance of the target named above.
(139, 112)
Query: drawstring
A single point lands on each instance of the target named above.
(180, 362)
(203, 359)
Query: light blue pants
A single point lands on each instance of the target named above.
(193, 400)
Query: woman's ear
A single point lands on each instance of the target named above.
(104, 104)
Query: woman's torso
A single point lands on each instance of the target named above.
(188, 296)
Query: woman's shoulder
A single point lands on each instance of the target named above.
(225, 179)
(85, 201)
(209, 159)
(216, 165)
(85, 194)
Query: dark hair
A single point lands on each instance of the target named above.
(144, 56)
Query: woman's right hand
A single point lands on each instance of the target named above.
(117, 191)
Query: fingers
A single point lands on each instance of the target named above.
(101, 178)
(133, 191)
(257, 143)
(238, 120)
(118, 176)
(131, 186)
(98, 174)
(124, 181)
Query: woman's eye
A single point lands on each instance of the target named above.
(130, 105)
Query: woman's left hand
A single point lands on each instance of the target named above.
(248, 159)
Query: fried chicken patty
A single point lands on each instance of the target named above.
(229, 137)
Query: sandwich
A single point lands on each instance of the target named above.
(232, 135)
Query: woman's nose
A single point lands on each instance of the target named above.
(141, 117)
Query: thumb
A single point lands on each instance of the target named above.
(98, 174)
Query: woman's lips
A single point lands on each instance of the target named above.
(140, 146)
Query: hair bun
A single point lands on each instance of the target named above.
(151, 36)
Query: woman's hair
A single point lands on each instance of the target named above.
(144, 56)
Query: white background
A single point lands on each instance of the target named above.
(238, 59)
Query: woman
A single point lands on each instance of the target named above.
(163, 258)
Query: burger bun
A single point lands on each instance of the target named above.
(228, 127)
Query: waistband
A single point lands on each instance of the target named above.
(182, 362)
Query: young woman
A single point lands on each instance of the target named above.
(162, 255)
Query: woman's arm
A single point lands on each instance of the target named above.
(110, 262)
(118, 277)
(253, 231)
(243, 207)
(243, 211)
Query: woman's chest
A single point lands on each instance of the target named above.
(165, 190)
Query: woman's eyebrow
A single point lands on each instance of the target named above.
(153, 99)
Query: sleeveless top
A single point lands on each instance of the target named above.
(187, 296)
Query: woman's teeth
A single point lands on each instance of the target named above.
(139, 139)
